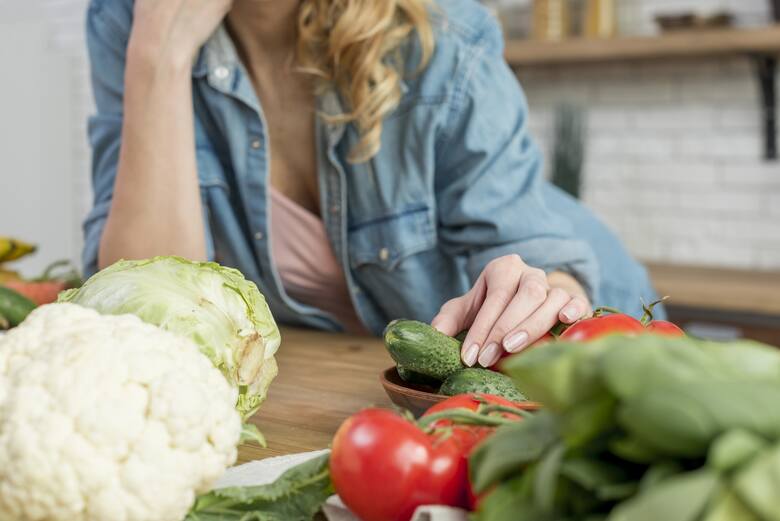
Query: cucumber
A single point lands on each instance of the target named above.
(416, 378)
(14, 308)
(419, 348)
(476, 380)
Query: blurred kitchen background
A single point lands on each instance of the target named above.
(658, 114)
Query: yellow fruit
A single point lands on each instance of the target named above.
(11, 249)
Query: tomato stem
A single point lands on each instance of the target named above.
(464, 416)
(606, 309)
(647, 317)
(490, 408)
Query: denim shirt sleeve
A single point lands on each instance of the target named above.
(489, 175)
(108, 29)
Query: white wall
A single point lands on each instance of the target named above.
(674, 148)
(41, 146)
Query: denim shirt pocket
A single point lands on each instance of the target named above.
(387, 240)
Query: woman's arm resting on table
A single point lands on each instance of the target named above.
(155, 205)
(528, 267)
(510, 306)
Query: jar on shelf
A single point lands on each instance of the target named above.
(600, 19)
(550, 20)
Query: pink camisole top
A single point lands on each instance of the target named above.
(306, 263)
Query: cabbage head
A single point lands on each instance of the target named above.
(215, 306)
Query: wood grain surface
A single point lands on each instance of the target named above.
(323, 379)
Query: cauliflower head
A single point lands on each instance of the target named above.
(107, 418)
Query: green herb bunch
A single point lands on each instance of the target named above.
(638, 429)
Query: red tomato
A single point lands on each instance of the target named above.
(469, 436)
(383, 467)
(596, 327)
(40, 292)
(665, 328)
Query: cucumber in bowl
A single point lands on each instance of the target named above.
(424, 355)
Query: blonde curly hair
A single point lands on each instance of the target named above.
(354, 45)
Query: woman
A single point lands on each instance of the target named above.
(361, 161)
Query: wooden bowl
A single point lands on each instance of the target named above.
(415, 398)
(419, 398)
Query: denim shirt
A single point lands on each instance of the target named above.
(457, 181)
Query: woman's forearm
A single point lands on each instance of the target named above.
(156, 207)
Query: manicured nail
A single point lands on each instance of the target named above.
(516, 342)
(490, 355)
(470, 356)
(570, 314)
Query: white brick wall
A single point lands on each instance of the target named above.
(674, 148)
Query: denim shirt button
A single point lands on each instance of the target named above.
(335, 209)
(256, 143)
(259, 236)
(384, 254)
(221, 73)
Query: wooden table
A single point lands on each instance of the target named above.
(323, 379)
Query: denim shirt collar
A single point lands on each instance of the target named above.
(218, 61)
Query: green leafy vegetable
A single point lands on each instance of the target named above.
(638, 429)
(297, 495)
(250, 433)
(214, 306)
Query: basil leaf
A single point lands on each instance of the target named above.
(510, 502)
(734, 449)
(511, 447)
(681, 498)
(758, 484)
(546, 478)
(728, 507)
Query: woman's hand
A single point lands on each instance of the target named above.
(510, 306)
(174, 29)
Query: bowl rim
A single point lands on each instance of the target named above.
(435, 397)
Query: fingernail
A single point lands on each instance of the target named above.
(490, 355)
(515, 342)
(470, 356)
(570, 314)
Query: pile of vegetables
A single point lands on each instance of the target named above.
(19, 296)
(636, 429)
(214, 306)
(132, 409)
(383, 465)
(430, 360)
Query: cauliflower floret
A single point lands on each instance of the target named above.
(107, 418)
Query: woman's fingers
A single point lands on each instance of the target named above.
(577, 308)
(539, 323)
(501, 284)
(458, 314)
(474, 347)
(532, 293)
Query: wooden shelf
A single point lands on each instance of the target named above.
(719, 289)
(679, 44)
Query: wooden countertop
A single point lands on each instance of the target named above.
(323, 379)
(719, 289)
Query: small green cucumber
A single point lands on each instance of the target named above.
(476, 380)
(14, 307)
(416, 378)
(419, 348)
